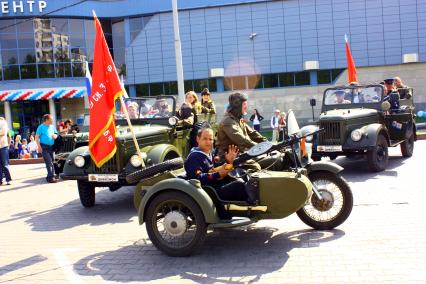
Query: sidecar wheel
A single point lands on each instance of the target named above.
(336, 205)
(175, 224)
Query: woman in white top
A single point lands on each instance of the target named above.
(256, 118)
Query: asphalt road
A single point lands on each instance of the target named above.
(46, 236)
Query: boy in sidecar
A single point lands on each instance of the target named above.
(200, 165)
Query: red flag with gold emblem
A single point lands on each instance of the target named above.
(106, 88)
(352, 77)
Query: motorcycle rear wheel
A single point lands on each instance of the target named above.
(336, 205)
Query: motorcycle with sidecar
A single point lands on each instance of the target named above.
(177, 212)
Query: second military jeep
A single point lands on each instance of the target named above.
(160, 139)
(356, 121)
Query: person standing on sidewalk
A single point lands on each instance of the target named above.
(256, 119)
(45, 138)
(275, 123)
(4, 151)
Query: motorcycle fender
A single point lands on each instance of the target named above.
(158, 153)
(197, 193)
(324, 166)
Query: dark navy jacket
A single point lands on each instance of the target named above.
(393, 98)
(197, 166)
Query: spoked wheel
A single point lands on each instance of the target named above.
(334, 207)
(175, 224)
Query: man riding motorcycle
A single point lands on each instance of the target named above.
(233, 130)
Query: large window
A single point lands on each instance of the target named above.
(171, 88)
(53, 47)
(328, 76)
(302, 78)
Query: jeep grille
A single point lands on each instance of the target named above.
(331, 134)
(108, 167)
(69, 144)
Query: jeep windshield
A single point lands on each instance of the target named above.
(353, 95)
(146, 108)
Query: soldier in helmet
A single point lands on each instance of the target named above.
(233, 130)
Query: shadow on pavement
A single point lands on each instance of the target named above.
(356, 170)
(22, 263)
(247, 252)
(110, 208)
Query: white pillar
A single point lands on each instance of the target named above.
(178, 52)
(8, 114)
(52, 110)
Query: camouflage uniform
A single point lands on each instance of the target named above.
(208, 107)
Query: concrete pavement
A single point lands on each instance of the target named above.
(46, 236)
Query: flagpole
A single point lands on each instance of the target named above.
(178, 54)
(124, 108)
(138, 150)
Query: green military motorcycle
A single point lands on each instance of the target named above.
(177, 212)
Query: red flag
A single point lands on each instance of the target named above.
(106, 88)
(352, 78)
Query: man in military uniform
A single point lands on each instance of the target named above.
(391, 94)
(233, 130)
(404, 91)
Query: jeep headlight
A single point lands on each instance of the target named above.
(356, 135)
(173, 121)
(136, 161)
(79, 161)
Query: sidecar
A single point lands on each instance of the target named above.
(177, 211)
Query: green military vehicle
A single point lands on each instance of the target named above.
(159, 134)
(357, 121)
(78, 138)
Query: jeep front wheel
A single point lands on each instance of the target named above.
(86, 191)
(378, 156)
(407, 147)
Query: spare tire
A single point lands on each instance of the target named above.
(151, 171)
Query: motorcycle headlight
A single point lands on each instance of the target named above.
(356, 135)
(136, 161)
(79, 161)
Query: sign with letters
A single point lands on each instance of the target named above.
(22, 6)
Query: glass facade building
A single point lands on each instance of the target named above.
(258, 44)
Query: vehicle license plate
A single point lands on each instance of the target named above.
(329, 148)
(103, 178)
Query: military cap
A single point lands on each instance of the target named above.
(205, 92)
(339, 93)
(389, 81)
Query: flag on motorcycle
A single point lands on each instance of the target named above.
(352, 77)
(106, 88)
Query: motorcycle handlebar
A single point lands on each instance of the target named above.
(292, 140)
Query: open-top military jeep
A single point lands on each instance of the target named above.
(160, 139)
(356, 121)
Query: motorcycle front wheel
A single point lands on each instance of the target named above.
(334, 207)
